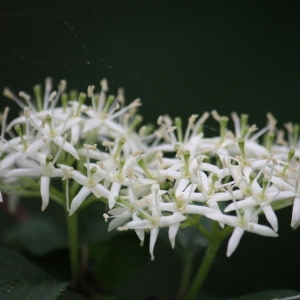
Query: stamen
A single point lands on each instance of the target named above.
(61, 88)
(190, 126)
(199, 125)
(244, 129)
(186, 158)
(48, 88)
(119, 147)
(48, 120)
(90, 175)
(290, 156)
(3, 123)
(178, 123)
(20, 134)
(108, 103)
(26, 97)
(82, 97)
(223, 125)
(60, 148)
(214, 179)
(171, 130)
(120, 171)
(10, 95)
(136, 121)
(238, 213)
(241, 143)
(296, 131)
(50, 100)
(236, 121)
(269, 140)
(142, 164)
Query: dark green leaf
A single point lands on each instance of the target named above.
(20, 279)
(39, 235)
(118, 260)
(267, 295)
(93, 228)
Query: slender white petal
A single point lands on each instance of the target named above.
(119, 220)
(45, 181)
(172, 233)
(234, 240)
(59, 141)
(153, 237)
(79, 198)
(114, 192)
(271, 216)
(296, 213)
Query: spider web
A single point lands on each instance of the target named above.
(66, 40)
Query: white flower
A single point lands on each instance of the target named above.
(243, 222)
(90, 184)
(45, 171)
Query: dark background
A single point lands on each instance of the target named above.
(181, 58)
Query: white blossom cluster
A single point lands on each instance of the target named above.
(151, 178)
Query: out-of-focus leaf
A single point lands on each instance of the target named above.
(20, 279)
(72, 295)
(39, 235)
(190, 240)
(268, 295)
(118, 260)
(93, 228)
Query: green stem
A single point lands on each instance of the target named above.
(73, 244)
(202, 272)
(215, 240)
(185, 277)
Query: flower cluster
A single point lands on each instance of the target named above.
(149, 177)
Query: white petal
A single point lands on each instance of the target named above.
(234, 240)
(172, 233)
(79, 198)
(37, 145)
(58, 140)
(247, 203)
(271, 216)
(153, 237)
(45, 181)
(225, 196)
(139, 224)
(26, 172)
(198, 209)
(260, 229)
(296, 212)
(9, 160)
(114, 192)
(194, 197)
(229, 220)
(182, 184)
(75, 134)
(282, 185)
(119, 220)
(100, 189)
(139, 232)
(91, 124)
(166, 221)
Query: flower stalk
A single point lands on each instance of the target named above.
(72, 224)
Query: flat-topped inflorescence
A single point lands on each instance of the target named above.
(149, 178)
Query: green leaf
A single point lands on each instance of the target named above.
(20, 279)
(267, 295)
(92, 226)
(39, 235)
(118, 260)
